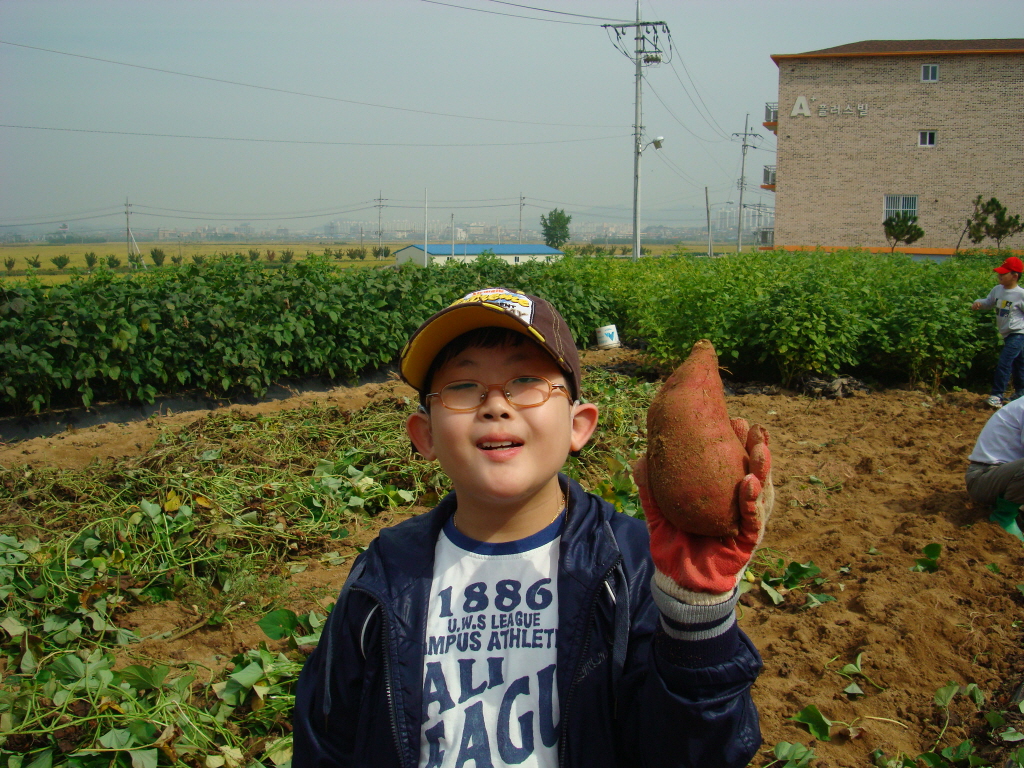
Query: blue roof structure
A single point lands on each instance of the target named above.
(464, 249)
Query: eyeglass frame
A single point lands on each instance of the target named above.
(552, 388)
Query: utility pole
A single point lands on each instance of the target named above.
(743, 180)
(380, 234)
(129, 238)
(522, 201)
(707, 207)
(646, 51)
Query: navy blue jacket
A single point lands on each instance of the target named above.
(625, 699)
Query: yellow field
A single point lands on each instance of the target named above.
(48, 273)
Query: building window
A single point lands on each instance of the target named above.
(926, 139)
(895, 204)
(517, 260)
(929, 73)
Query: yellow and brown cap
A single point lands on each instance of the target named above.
(531, 316)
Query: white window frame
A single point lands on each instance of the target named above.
(929, 73)
(894, 204)
(926, 138)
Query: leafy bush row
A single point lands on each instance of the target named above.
(228, 325)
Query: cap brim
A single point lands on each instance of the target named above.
(1002, 270)
(447, 325)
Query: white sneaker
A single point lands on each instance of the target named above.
(995, 401)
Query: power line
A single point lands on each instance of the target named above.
(716, 126)
(62, 220)
(301, 93)
(296, 141)
(547, 10)
(254, 218)
(235, 215)
(511, 15)
(681, 123)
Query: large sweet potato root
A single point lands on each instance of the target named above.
(695, 460)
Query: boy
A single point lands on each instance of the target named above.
(522, 620)
(995, 475)
(1008, 300)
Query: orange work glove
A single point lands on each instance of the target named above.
(706, 569)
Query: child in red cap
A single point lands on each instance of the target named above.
(1007, 299)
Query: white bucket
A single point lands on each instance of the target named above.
(607, 337)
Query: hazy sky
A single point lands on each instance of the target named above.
(402, 96)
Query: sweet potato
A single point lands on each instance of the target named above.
(695, 461)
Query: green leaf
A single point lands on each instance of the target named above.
(144, 758)
(813, 601)
(853, 690)
(932, 551)
(279, 624)
(210, 455)
(117, 738)
(777, 598)
(994, 567)
(144, 678)
(944, 695)
(45, 760)
(1011, 734)
(816, 722)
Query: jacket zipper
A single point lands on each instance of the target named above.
(387, 675)
(579, 663)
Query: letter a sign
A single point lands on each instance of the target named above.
(801, 108)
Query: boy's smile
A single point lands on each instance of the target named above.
(503, 460)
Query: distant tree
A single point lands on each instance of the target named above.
(1000, 224)
(555, 227)
(382, 253)
(287, 256)
(902, 228)
(9, 262)
(112, 261)
(254, 254)
(198, 258)
(135, 260)
(271, 256)
(176, 260)
(158, 256)
(33, 261)
(90, 259)
(61, 261)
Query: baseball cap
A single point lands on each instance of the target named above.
(1012, 264)
(531, 316)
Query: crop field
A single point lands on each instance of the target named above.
(161, 582)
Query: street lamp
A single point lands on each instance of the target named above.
(639, 148)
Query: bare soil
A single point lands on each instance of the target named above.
(864, 483)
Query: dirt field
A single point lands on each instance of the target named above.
(864, 483)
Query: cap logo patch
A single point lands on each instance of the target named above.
(514, 303)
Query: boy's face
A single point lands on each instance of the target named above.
(500, 454)
(1008, 279)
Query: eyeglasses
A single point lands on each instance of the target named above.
(522, 392)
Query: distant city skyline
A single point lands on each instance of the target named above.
(298, 114)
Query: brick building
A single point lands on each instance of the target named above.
(881, 126)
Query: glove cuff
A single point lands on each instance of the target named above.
(694, 623)
(668, 586)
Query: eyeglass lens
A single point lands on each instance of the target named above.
(521, 391)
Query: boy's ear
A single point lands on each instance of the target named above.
(584, 422)
(417, 426)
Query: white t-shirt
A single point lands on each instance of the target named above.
(1002, 438)
(489, 685)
